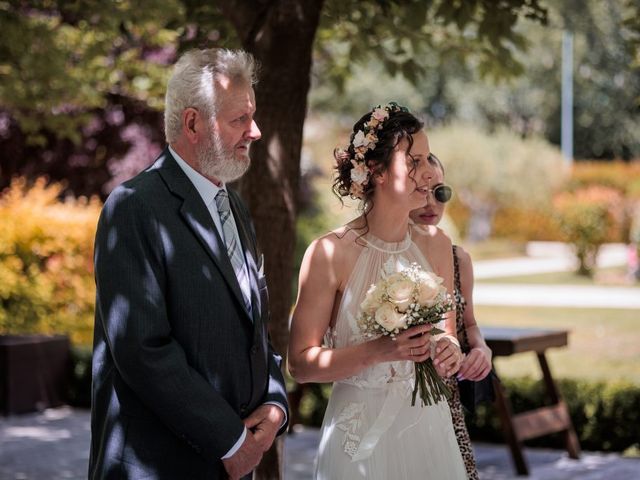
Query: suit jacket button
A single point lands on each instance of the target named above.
(254, 350)
(243, 408)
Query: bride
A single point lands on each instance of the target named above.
(370, 430)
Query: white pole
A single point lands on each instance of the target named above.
(567, 98)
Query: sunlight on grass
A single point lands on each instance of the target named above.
(493, 248)
(603, 344)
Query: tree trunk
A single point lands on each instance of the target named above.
(280, 34)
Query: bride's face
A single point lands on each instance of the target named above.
(406, 181)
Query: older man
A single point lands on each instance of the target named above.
(185, 382)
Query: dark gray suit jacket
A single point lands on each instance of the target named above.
(178, 359)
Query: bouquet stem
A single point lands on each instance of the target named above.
(431, 386)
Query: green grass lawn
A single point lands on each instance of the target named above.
(603, 344)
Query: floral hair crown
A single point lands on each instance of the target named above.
(364, 140)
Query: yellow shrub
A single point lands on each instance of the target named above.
(46, 261)
(620, 176)
(525, 224)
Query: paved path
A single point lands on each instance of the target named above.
(545, 257)
(54, 445)
(584, 296)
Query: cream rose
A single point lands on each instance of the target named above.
(373, 299)
(389, 319)
(429, 289)
(400, 291)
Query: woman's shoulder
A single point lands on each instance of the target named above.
(462, 254)
(464, 259)
(334, 245)
(433, 235)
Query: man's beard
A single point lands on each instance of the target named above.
(218, 161)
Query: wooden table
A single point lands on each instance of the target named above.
(541, 421)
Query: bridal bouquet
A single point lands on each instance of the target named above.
(402, 300)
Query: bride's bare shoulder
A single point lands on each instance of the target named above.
(334, 245)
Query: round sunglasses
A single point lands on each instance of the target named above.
(442, 193)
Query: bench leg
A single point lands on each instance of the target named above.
(505, 412)
(570, 438)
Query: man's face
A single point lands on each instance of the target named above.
(225, 154)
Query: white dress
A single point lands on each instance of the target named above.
(370, 430)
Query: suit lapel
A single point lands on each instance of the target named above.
(197, 217)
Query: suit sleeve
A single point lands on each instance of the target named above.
(131, 315)
(276, 391)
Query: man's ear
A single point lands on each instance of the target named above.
(191, 124)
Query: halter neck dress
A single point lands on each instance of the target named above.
(370, 430)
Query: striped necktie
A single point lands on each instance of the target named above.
(232, 242)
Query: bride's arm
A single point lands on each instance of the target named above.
(321, 275)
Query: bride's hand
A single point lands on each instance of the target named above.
(448, 357)
(412, 344)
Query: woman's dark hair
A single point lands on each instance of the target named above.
(399, 125)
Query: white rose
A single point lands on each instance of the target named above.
(359, 140)
(400, 291)
(429, 289)
(359, 172)
(373, 299)
(389, 319)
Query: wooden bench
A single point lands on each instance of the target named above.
(541, 421)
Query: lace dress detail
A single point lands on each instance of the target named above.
(370, 429)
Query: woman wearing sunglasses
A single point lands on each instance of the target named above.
(477, 362)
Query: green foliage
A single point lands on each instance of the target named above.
(46, 261)
(604, 414)
(79, 393)
(450, 85)
(606, 90)
(60, 59)
(399, 34)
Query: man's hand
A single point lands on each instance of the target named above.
(265, 422)
(245, 460)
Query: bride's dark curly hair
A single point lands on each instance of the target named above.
(398, 126)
